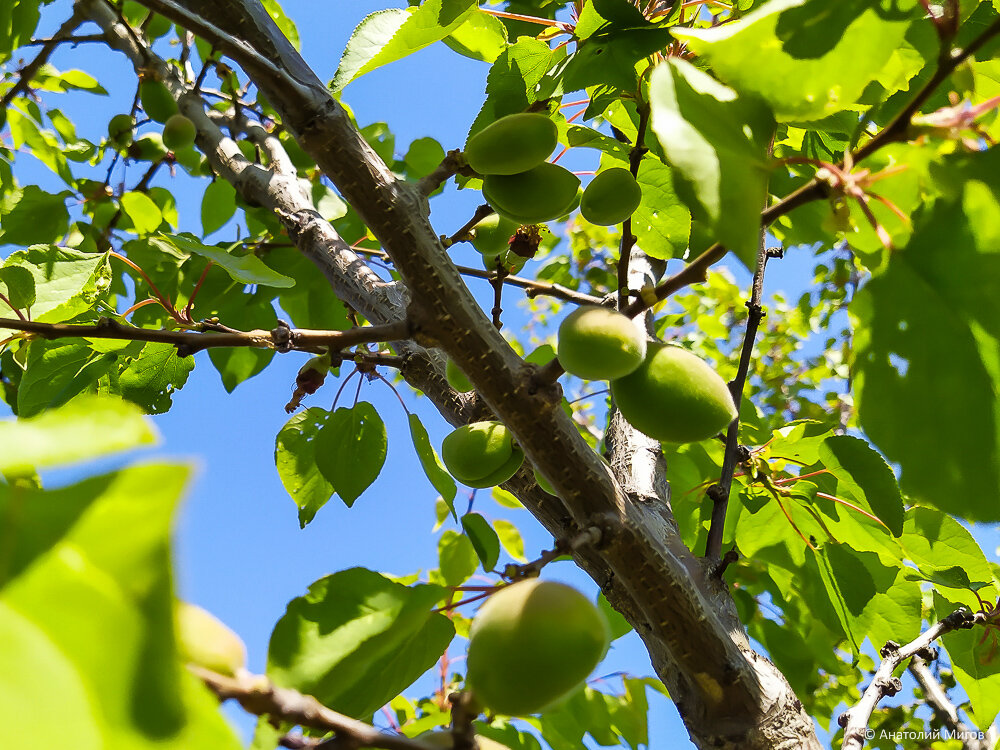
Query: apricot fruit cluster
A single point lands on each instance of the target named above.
(491, 237)
(532, 644)
(481, 454)
(517, 181)
(674, 396)
(596, 343)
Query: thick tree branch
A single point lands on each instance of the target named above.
(855, 721)
(729, 696)
(257, 695)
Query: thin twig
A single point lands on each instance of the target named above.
(451, 165)
(189, 342)
(462, 235)
(562, 547)
(496, 281)
(938, 700)
(257, 695)
(855, 721)
(628, 239)
(719, 492)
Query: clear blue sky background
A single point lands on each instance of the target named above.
(239, 550)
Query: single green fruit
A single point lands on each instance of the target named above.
(531, 644)
(456, 378)
(120, 130)
(148, 148)
(512, 144)
(481, 454)
(157, 101)
(205, 640)
(596, 343)
(511, 262)
(611, 197)
(540, 194)
(674, 396)
(492, 234)
(178, 132)
(444, 739)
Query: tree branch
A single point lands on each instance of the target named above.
(628, 239)
(257, 695)
(855, 721)
(938, 699)
(281, 339)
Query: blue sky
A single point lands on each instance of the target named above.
(240, 552)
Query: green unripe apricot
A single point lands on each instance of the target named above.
(456, 378)
(178, 132)
(492, 234)
(481, 454)
(202, 639)
(537, 195)
(120, 130)
(148, 148)
(674, 396)
(531, 644)
(157, 101)
(596, 343)
(512, 144)
(611, 197)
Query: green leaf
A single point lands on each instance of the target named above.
(67, 282)
(57, 371)
(21, 19)
(247, 269)
(295, 458)
(283, 22)
(512, 82)
(662, 223)
(618, 624)
(944, 551)
(350, 450)
(925, 345)
(717, 141)
(247, 311)
(511, 539)
(33, 217)
(151, 378)
(864, 476)
(357, 639)
(423, 157)
(481, 37)
(457, 558)
(810, 57)
(218, 205)
(86, 600)
(89, 427)
(484, 539)
(19, 286)
(142, 211)
(432, 466)
(386, 36)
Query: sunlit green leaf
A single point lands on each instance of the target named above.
(350, 450)
(295, 458)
